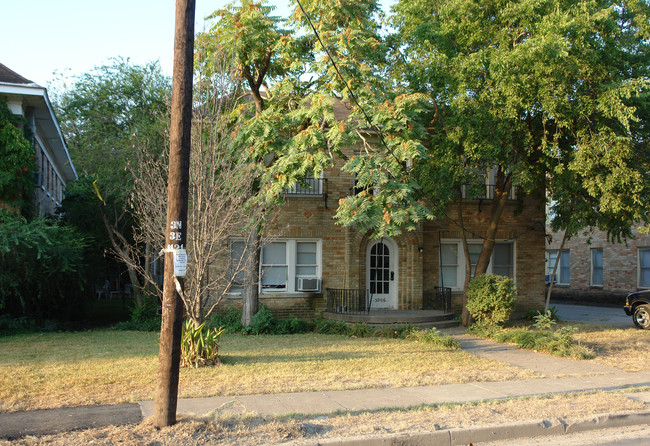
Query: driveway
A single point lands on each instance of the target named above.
(613, 317)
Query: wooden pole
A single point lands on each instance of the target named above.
(176, 234)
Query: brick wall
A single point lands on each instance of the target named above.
(620, 265)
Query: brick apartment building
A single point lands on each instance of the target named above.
(307, 258)
(594, 269)
(53, 166)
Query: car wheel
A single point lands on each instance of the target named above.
(641, 316)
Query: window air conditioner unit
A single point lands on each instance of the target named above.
(308, 284)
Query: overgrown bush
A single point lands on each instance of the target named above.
(41, 269)
(491, 298)
(230, 320)
(199, 345)
(144, 316)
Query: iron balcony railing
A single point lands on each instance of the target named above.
(349, 301)
(438, 298)
(309, 186)
(487, 192)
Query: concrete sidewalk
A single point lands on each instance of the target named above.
(560, 376)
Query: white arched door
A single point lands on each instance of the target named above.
(381, 273)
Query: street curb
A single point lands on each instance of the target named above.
(529, 429)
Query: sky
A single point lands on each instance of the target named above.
(40, 37)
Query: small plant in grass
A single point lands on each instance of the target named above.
(491, 298)
(361, 330)
(544, 321)
(199, 345)
(432, 336)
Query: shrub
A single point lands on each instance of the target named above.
(491, 298)
(230, 320)
(361, 330)
(326, 326)
(199, 345)
(263, 322)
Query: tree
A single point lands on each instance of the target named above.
(546, 93)
(291, 131)
(105, 113)
(220, 185)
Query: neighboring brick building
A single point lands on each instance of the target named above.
(312, 252)
(594, 269)
(53, 167)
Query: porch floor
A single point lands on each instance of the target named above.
(381, 318)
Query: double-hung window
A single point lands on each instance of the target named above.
(644, 268)
(597, 267)
(563, 273)
(452, 261)
(291, 266)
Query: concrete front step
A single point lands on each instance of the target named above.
(384, 318)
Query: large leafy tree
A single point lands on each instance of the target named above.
(105, 115)
(289, 128)
(549, 93)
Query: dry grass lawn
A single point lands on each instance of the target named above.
(253, 430)
(628, 349)
(103, 367)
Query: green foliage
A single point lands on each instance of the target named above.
(144, 316)
(327, 326)
(16, 160)
(199, 345)
(361, 330)
(491, 298)
(263, 322)
(41, 269)
(230, 320)
(10, 325)
(558, 343)
(544, 321)
(432, 337)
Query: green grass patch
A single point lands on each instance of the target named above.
(558, 342)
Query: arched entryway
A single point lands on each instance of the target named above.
(381, 273)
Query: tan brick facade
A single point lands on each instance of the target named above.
(344, 250)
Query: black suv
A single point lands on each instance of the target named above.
(637, 305)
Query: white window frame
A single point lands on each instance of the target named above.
(640, 268)
(593, 267)
(550, 263)
(291, 254)
(460, 266)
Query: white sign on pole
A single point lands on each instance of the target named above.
(180, 262)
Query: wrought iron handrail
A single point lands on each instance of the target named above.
(349, 301)
(438, 298)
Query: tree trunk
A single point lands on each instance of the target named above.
(250, 293)
(501, 191)
(466, 318)
(557, 262)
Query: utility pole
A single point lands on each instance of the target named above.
(176, 230)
